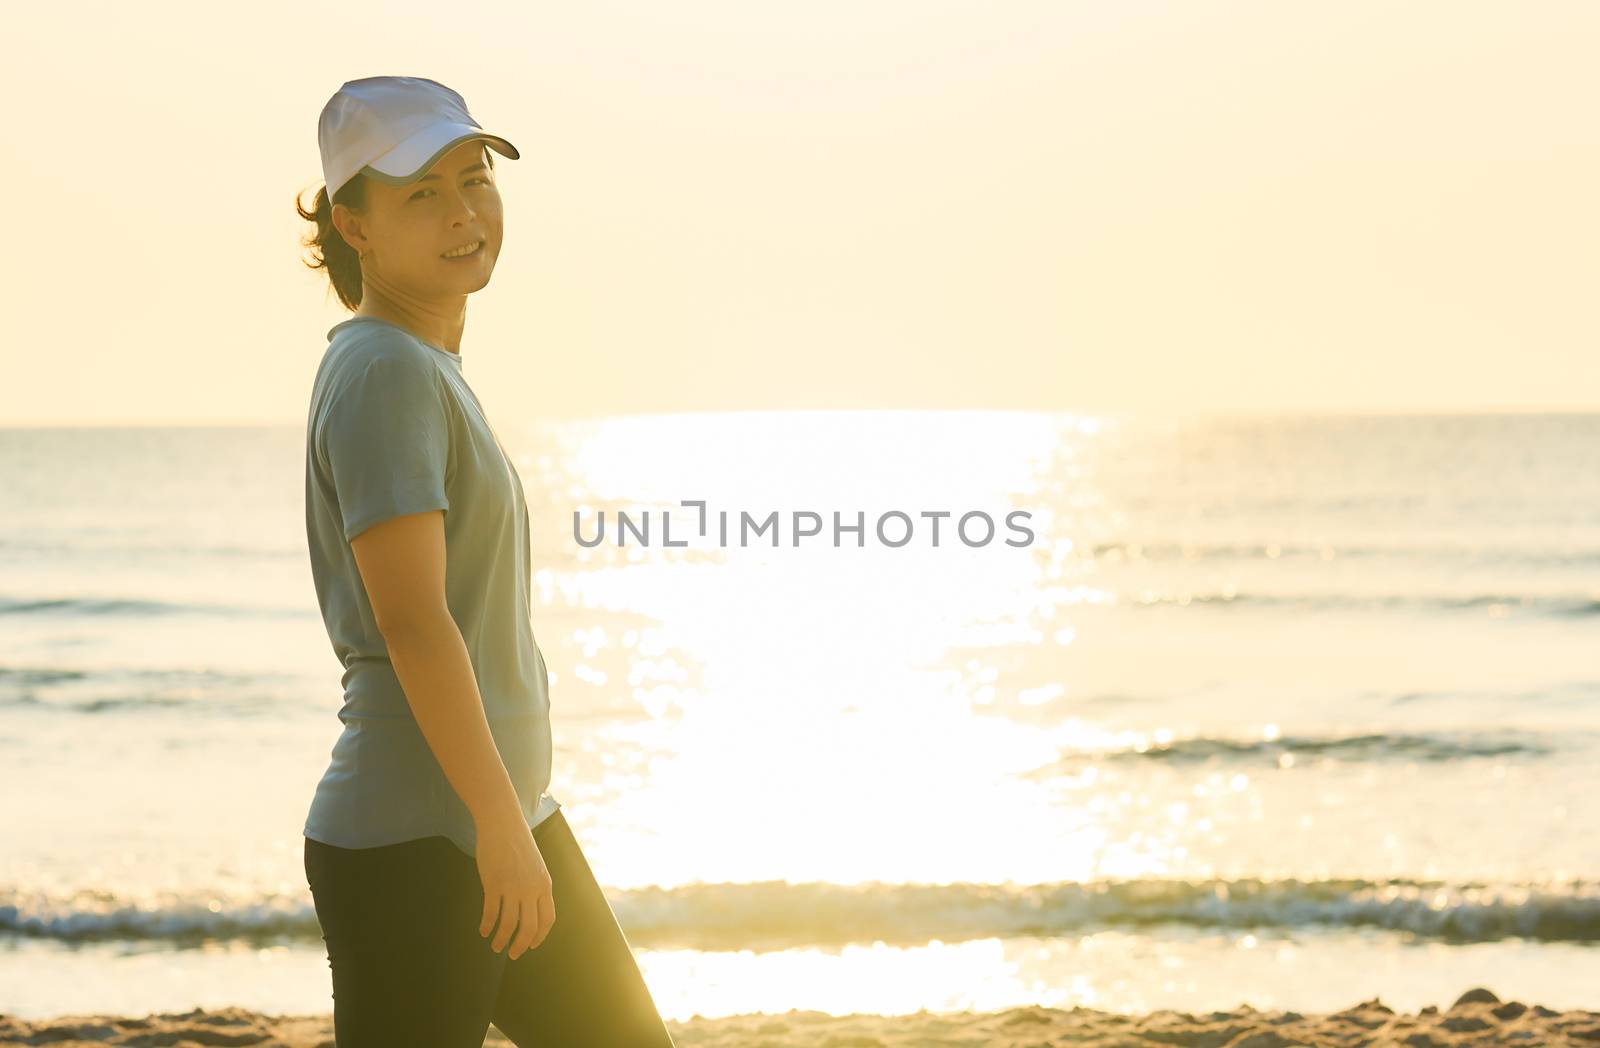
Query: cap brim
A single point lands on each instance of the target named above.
(410, 160)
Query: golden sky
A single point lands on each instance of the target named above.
(1132, 207)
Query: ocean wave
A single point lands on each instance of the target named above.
(87, 546)
(1559, 605)
(104, 690)
(1232, 551)
(1362, 747)
(134, 607)
(776, 915)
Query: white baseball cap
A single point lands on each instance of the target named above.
(393, 128)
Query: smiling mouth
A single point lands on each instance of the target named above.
(464, 251)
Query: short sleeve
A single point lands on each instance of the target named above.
(387, 440)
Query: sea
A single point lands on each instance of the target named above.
(1188, 713)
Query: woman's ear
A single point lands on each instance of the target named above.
(351, 228)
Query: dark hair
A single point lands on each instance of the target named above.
(329, 249)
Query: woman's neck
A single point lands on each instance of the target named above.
(430, 320)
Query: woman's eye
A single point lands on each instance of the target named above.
(478, 178)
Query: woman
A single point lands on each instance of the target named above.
(432, 827)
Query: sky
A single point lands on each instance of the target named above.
(1131, 207)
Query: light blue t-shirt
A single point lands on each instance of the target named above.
(393, 428)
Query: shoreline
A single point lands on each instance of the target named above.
(1477, 1017)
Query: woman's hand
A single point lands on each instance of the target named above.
(516, 884)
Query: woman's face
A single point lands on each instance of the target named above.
(407, 230)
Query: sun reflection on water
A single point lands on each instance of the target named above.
(819, 711)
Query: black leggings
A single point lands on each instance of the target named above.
(411, 971)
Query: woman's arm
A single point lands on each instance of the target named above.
(402, 565)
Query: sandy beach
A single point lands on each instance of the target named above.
(1478, 1017)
